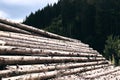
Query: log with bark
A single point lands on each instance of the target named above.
(36, 31)
(43, 68)
(102, 73)
(37, 46)
(82, 76)
(56, 73)
(7, 60)
(14, 50)
(70, 47)
(5, 27)
(38, 38)
(34, 66)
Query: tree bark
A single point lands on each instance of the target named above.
(7, 60)
(102, 73)
(38, 39)
(36, 31)
(13, 29)
(43, 68)
(51, 47)
(63, 65)
(51, 74)
(14, 50)
(69, 47)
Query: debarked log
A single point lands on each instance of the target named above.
(9, 41)
(51, 74)
(70, 64)
(115, 69)
(43, 68)
(38, 38)
(36, 30)
(82, 76)
(13, 29)
(45, 52)
(6, 60)
(21, 44)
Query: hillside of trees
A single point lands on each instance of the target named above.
(90, 21)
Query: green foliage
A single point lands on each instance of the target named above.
(56, 26)
(112, 49)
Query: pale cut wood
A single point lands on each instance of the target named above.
(44, 68)
(51, 74)
(37, 66)
(111, 76)
(110, 67)
(22, 44)
(102, 73)
(44, 41)
(80, 76)
(7, 60)
(38, 38)
(41, 43)
(12, 41)
(26, 43)
(12, 29)
(36, 31)
(7, 50)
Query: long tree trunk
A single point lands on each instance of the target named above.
(36, 31)
(82, 76)
(71, 65)
(44, 68)
(51, 74)
(38, 38)
(22, 44)
(45, 52)
(6, 60)
(103, 73)
(13, 29)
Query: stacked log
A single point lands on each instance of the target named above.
(35, 30)
(28, 53)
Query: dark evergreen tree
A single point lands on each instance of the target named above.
(112, 49)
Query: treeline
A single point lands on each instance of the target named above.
(90, 21)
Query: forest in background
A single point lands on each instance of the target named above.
(95, 22)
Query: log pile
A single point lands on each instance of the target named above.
(28, 53)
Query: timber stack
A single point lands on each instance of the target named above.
(28, 53)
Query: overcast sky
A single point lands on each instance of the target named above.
(17, 10)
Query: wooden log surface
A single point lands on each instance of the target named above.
(80, 76)
(102, 73)
(36, 31)
(51, 74)
(12, 41)
(71, 65)
(38, 38)
(12, 29)
(37, 46)
(111, 76)
(43, 43)
(43, 68)
(13, 50)
(7, 60)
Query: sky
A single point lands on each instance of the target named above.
(17, 10)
